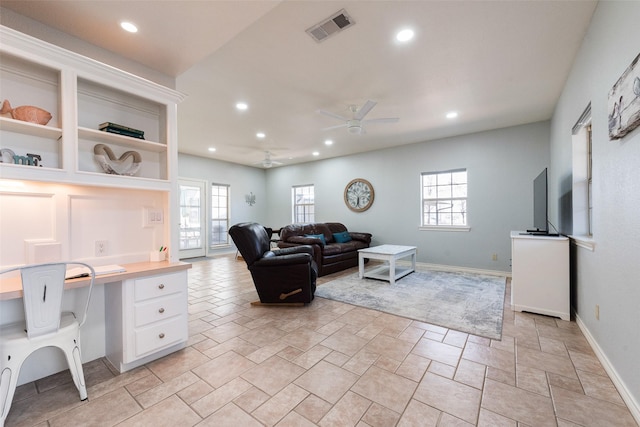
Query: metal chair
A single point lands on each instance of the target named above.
(45, 325)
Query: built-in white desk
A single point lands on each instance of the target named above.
(134, 317)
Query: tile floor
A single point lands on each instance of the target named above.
(332, 364)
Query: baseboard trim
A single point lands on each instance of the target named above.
(456, 269)
(632, 404)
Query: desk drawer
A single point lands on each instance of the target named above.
(157, 286)
(159, 336)
(159, 309)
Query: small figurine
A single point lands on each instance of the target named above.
(26, 113)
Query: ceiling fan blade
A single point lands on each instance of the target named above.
(267, 163)
(364, 110)
(335, 127)
(382, 120)
(333, 115)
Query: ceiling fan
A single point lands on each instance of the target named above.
(267, 162)
(354, 123)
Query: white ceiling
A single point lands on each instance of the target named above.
(498, 63)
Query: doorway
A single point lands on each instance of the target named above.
(192, 218)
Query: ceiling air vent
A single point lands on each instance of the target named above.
(332, 25)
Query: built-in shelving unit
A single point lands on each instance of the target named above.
(68, 200)
(81, 94)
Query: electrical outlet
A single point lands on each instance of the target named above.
(597, 312)
(494, 257)
(102, 247)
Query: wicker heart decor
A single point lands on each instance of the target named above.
(117, 166)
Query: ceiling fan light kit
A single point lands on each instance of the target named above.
(354, 127)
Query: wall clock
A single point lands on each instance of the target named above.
(359, 195)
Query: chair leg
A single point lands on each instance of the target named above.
(8, 382)
(75, 367)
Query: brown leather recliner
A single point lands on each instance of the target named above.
(281, 275)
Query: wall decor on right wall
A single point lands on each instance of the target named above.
(624, 102)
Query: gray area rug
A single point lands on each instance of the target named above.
(465, 302)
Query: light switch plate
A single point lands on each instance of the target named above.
(152, 216)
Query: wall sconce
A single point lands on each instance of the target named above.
(250, 199)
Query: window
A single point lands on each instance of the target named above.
(219, 215)
(582, 200)
(444, 199)
(303, 204)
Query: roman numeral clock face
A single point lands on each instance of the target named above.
(358, 195)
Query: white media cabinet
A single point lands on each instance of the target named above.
(540, 274)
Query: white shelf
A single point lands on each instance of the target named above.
(26, 128)
(383, 273)
(120, 140)
(107, 180)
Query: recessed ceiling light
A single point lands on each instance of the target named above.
(260, 134)
(212, 149)
(315, 153)
(404, 35)
(328, 142)
(452, 114)
(128, 26)
(242, 106)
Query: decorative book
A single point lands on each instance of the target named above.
(121, 130)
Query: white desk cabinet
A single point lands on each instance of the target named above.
(540, 274)
(146, 319)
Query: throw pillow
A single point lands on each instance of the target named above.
(317, 236)
(343, 237)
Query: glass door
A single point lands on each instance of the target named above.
(192, 218)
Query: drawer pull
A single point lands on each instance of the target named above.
(161, 310)
(161, 335)
(161, 286)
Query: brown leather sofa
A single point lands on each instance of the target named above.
(331, 255)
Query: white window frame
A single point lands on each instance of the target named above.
(582, 182)
(214, 217)
(429, 200)
(308, 209)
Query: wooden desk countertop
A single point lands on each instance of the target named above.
(11, 288)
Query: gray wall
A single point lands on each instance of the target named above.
(241, 180)
(607, 276)
(501, 166)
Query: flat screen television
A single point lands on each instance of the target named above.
(540, 197)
